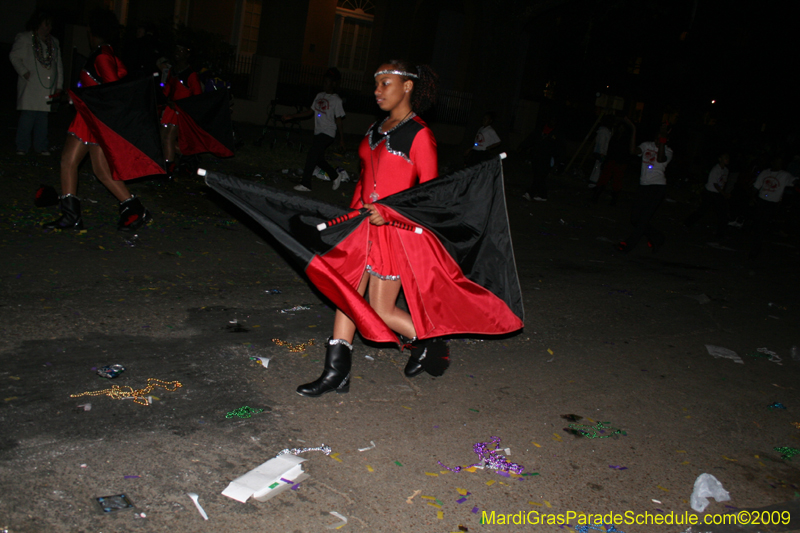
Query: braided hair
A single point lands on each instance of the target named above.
(423, 95)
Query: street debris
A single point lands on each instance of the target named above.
(372, 445)
(338, 525)
(137, 395)
(244, 412)
(196, 499)
(268, 479)
(489, 458)
(723, 353)
(118, 502)
(707, 486)
(110, 371)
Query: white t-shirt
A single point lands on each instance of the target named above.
(327, 108)
(485, 137)
(771, 183)
(652, 170)
(601, 140)
(717, 176)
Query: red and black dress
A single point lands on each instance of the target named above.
(179, 85)
(441, 300)
(117, 113)
(103, 66)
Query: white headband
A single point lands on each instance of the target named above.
(398, 72)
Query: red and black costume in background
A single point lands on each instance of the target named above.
(102, 66)
(458, 275)
(203, 119)
(119, 115)
(178, 86)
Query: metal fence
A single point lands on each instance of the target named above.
(241, 71)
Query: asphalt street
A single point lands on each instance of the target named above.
(609, 398)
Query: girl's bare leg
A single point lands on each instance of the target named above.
(103, 173)
(343, 327)
(383, 298)
(169, 139)
(71, 156)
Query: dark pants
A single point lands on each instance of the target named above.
(541, 170)
(648, 198)
(711, 201)
(614, 172)
(316, 158)
(763, 224)
(32, 122)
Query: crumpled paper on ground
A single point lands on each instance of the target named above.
(723, 353)
(707, 486)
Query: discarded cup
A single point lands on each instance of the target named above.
(110, 371)
(795, 353)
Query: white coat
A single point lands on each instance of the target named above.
(32, 93)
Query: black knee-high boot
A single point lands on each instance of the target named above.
(70, 217)
(336, 374)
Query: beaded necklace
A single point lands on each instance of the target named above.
(44, 51)
(374, 195)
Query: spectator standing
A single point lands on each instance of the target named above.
(714, 198)
(770, 185)
(602, 138)
(656, 155)
(36, 56)
(620, 149)
(485, 143)
(328, 112)
(542, 159)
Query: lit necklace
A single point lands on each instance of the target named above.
(374, 194)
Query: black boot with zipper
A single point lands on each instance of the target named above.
(336, 374)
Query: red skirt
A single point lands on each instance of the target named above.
(80, 129)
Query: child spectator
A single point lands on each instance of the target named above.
(714, 198)
(328, 113)
(770, 185)
(485, 143)
(656, 155)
